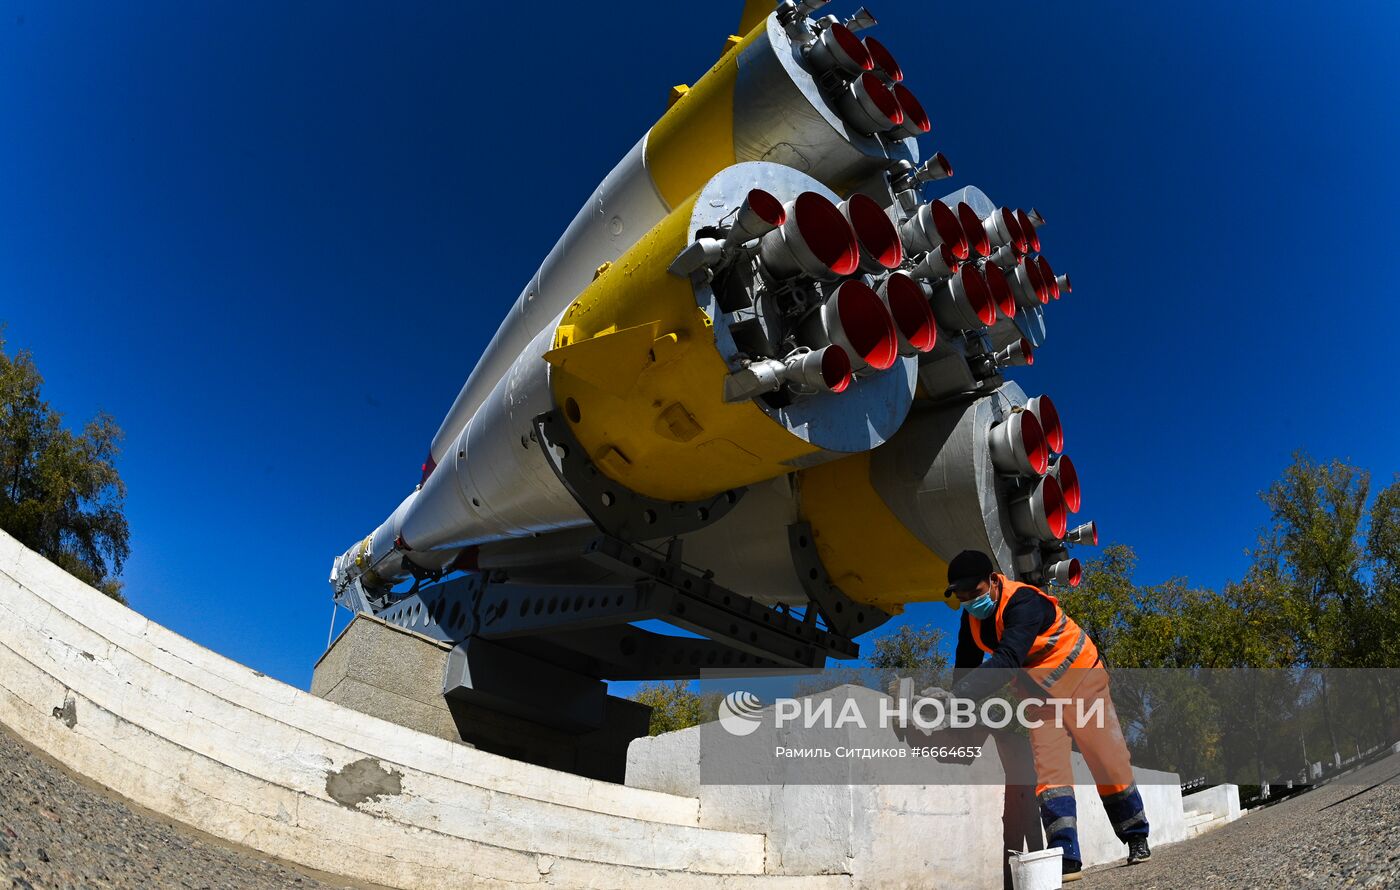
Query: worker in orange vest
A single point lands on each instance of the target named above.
(1021, 626)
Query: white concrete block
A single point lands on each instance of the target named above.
(186, 733)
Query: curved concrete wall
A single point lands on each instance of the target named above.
(186, 733)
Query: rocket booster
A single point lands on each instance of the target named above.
(760, 101)
(759, 341)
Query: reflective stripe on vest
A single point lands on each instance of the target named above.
(1061, 646)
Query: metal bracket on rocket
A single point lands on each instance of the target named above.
(615, 509)
(842, 614)
(589, 627)
(654, 587)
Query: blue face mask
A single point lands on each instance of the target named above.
(981, 607)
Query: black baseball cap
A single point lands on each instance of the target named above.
(967, 570)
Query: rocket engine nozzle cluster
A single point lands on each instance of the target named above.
(806, 334)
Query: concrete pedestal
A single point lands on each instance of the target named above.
(895, 835)
(395, 674)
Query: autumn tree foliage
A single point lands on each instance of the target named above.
(60, 493)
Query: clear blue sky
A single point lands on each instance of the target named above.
(271, 239)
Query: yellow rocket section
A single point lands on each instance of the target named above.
(639, 380)
(755, 13)
(694, 139)
(864, 547)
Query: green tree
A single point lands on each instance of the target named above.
(1105, 602)
(1314, 539)
(910, 650)
(675, 706)
(1316, 512)
(1383, 562)
(60, 493)
(916, 652)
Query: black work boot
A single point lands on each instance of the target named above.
(1138, 851)
(1070, 870)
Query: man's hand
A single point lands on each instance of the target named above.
(939, 693)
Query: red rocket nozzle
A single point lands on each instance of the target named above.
(827, 233)
(916, 122)
(1047, 274)
(1028, 227)
(937, 264)
(883, 60)
(1000, 290)
(852, 46)
(977, 240)
(1058, 518)
(1018, 445)
(1019, 241)
(880, 247)
(979, 293)
(838, 49)
(1004, 231)
(767, 207)
(1067, 571)
(1044, 411)
(813, 240)
(1088, 533)
(942, 161)
(1039, 512)
(933, 224)
(869, 106)
(1062, 468)
(836, 368)
(913, 317)
(760, 214)
(856, 320)
(1024, 280)
(963, 302)
(1037, 280)
(1020, 352)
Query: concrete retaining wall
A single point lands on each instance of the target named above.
(896, 836)
(191, 735)
(1210, 809)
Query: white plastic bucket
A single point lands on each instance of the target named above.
(1040, 870)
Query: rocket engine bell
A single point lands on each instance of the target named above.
(751, 386)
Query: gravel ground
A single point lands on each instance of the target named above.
(1340, 835)
(59, 833)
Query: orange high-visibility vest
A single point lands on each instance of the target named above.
(1057, 649)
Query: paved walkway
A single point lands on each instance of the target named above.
(58, 833)
(1340, 835)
